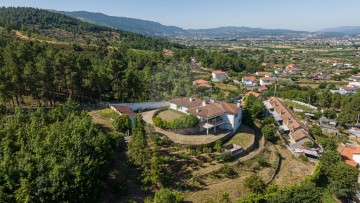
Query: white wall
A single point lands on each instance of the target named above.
(356, 158)
(144, 105)
(173, 106)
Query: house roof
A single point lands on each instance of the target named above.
(286, 114)
(349, 88)
(187, 102)
(300, 134)
(251, 78)
(218, 72)
(124, 110)
(200, 81)
(267, 78)
(253, 93)
(262, 73)
(213, 109)
(292, 68)
(263, 88)
(292, 65)
(204, 85)
(346, 153)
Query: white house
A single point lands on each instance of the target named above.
(338, 64)
(212, 115)
(219, 75)
(123, 110)
(249, 80)
(348, 90)
(279, 71)
(262, 74)
(266, 81)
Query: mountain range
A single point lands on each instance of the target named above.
(152, 28)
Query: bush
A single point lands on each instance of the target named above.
(309, 144)
(255, 184)
(268, 132)
(225, 156)
(186, 121)
(166, 195)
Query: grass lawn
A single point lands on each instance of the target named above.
(103, 117)
(244, 137)
(170, 115)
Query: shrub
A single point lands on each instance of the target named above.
(186, 121)
(268, 132)
(225, 156)
(255, 184)
(166, 195)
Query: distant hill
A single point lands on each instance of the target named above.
(130, 24)
(155, 28)
(344, 29)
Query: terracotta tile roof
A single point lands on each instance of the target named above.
(349, 88)
(218, 72)
(204, 85)
(300, 134)
(262, 73)
(124, 110)
(288, 117)
(200, 81)
(251, 78)
(292, 66)
(187, 102)
(347, 154)
(267, 78)
(263, 88)
(253, 93)
(213, 109)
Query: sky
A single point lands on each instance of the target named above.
(307, 15)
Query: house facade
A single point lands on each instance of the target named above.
(266, 81)
(213, 115)
(249, 80)
(218, 75)
(348, 90)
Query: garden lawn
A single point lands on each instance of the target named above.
(244, 137)
(170, 115)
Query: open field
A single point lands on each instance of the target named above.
(244, 137)
(103, 117)
(170, 115)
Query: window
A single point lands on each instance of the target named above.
(236, 115)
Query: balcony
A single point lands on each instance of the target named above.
(211, 124)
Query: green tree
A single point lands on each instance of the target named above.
(138, 147)
(268, 132)
(255, 184)
(167, 196)
(122, 123)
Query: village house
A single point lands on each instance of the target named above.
(328, 125)
(279, 71)
(249, 80)
(263, 74)
(350, 155)
(297, 131)
(212, 114)
(263, 89)
(348, 90)
(219, 75)
(203, 83)
(264, 63)
(339, 65)
(266, 81)
(258, 95)
(124, 110)
(292, 69)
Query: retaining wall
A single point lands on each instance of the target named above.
(143, 105)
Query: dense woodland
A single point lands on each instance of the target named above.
(53, 156)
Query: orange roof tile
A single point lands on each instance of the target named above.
(124, 110)
(218, 72)
(347, 154)
(200, 81)
(262, 73)
(253, 93)
(251, 78)
(267, 78)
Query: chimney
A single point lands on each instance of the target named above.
(191, 99)
(238, 104)
(204, 103)
(197, 110)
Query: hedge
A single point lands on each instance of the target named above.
(186, 121)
